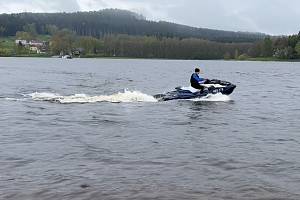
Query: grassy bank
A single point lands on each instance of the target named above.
(267, 59)
(7, 46)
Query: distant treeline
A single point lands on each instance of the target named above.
(64, 41)
(99, 24)
(285, 47)
(175, 48)
(121, 33)
(171, 48)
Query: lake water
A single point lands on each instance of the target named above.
(105, 136)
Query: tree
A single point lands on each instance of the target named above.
(51, 29)
(285, 53)
(19, 50)
(3, 51)
(267, 50)
(90, 45)
(62, 42)
(255, 50)
(297, 49)
(21, 35)
(227, 56)
(31, 29)
(243, 57)
(2, 30)
(281, 42)
(293, 40)
(236, 54)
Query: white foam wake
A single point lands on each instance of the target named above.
(125, 97)
(214, 97)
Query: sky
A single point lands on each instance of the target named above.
(275, 17)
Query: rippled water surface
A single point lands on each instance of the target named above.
(108, 138)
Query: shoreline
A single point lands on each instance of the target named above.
(135, 58)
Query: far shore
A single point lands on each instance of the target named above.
(269, 59)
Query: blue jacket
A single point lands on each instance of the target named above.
(196, 80)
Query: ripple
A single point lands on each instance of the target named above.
(15, 162)
(242, 149)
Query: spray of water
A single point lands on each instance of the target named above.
(121, 97)
(125, 97)
(214, 98)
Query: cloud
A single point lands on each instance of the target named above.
(269, 16)
(154, 10)
(16, 6)
(273, 17)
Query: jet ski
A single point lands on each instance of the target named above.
(213, 86)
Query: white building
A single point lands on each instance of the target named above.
(35, 43)
(33, 48)
(22, 42)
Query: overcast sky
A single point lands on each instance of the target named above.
(275, 17)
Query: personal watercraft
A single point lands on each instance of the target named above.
(210, 87)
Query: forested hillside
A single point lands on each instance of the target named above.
(112, 21)
(119, 33)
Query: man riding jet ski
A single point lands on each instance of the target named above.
(197, 81)
(200, 87)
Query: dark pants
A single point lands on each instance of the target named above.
(198, 86)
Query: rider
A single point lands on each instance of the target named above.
(196, 80)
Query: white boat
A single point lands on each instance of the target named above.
(67, 57)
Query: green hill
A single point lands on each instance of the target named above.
(114, 21)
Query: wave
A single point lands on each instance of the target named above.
(121, 97)
(11, 99)
(214, 98)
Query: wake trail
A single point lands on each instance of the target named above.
(121, 97)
